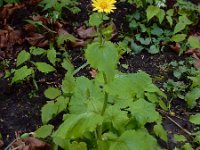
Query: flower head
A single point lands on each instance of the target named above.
(106, 6)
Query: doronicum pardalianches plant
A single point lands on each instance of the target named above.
(108, 112)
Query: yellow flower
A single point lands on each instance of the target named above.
(106, 6)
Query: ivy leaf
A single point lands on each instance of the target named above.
(44, 131)
(76, 125)
(161, 15)
(51, 55)
(194, 42)
(192, 96)
(153, 49)
(178, 37)
(22, 57)
(21, 74)
(52, 93)
(152, 11)
(144, 112)
(160, 132)
(134, 140)
(182, 23)
(48, 111)
(44, 67)
(195, 119)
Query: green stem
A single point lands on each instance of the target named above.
(105, 97)
(100, 32)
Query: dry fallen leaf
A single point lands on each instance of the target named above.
(36, 39)
(175, 47)
(9, 37)
(31, 143)
(8, 9)
(86, 33)
(196, 55)
(1, 144)
(93, 73)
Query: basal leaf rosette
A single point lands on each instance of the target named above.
(103, 57)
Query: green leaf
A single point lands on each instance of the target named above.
(117, 117)
(144, 112)
(134, 140)
(62, 103)
(78, 146)
(183, 21)
(86, 97)
(96, 19)
(179, 138)
(65, 37)
(37, 51)
(22, 57)
(66, 64)
(76, 125)
(170, 20)
(153, 49)
(22, 73)
(103, 57)
(44, 131)
(195, 119)
(48, 111)
(192, 96)
(152, 11)
(194, 42)
(44, 67)
(51, 55)
(187, 146)
(68, 84)
(195, 80)
(161, 15)
(178, 37)
(160, 132)
(52, 93)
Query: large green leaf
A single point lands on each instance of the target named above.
(144, 112)
(78, 146)
(21, 74)
(22, 57)
(135, 140)
(44, 67)
(86, 97)
(103, 57)
(117, 117)
(192, 96)
(76, 125)
(131, 85)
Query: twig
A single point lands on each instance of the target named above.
(178, 125)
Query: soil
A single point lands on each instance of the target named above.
(20, 105)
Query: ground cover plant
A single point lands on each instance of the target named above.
(99, 74)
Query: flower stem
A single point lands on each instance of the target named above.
(105, 97)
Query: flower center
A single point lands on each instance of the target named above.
(104, 5)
